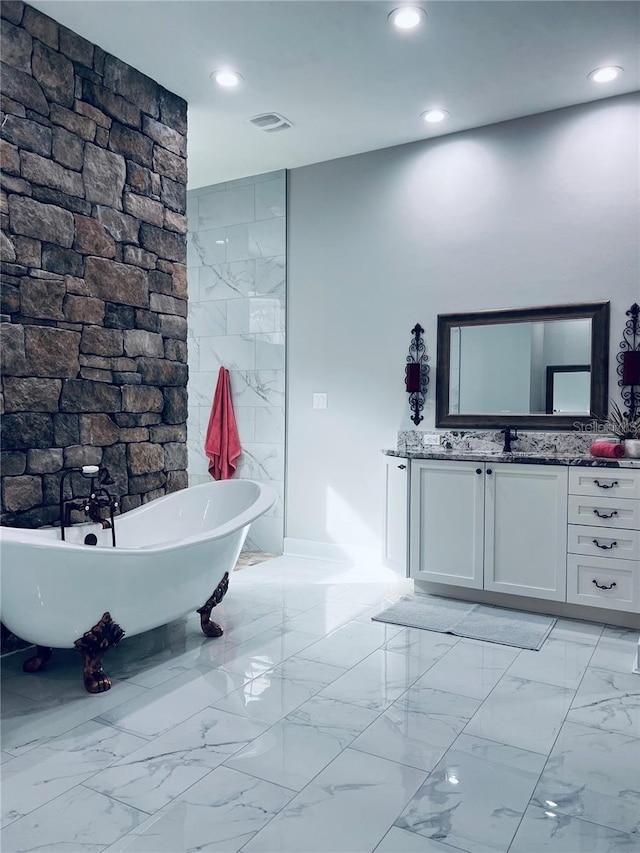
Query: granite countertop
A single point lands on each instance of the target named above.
(530, 458)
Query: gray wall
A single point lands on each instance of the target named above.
(542, 210)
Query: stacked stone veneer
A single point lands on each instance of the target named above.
(94, 271)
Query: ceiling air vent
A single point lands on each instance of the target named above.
(270, 122)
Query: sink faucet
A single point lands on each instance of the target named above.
(508, 438)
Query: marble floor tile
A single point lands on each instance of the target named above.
(421, 644)
(418, 728)
(163, 707)
(247, 627)
(521, 713)
(278, 691)
(475, 797)
(301, 597)
(157, 772)
(27, 724)
(558, 662)
(377, 681)
(297, 748)
(43, 773)
(154, 657)
(608, 700)
(470, 669)
(307, 726)
(617, 649)
(221, 812)
(259, 654)
(348, 807)
(577, 631)
(380, 595)
(43, 685)
(595, 775)
(323, 619)
(400, 841)
(242, 601)
(76, 820)
(544, 831)
(350, 644)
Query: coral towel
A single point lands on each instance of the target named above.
(607, 449)
(222, 444)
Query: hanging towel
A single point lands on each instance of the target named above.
(222, 444)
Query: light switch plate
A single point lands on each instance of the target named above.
(319, 401)
(430, 438)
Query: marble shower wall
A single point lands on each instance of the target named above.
(236, 280)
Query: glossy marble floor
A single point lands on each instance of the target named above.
(308, 727)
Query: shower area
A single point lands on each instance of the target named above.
(236, 258)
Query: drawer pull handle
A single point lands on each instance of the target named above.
(604, 514)
(606, 485)
(402, 467)
(605, 547)
(603, 586)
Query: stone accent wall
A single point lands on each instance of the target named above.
(94, 291)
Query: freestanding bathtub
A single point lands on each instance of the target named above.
(173, 556)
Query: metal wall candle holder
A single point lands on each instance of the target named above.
(628, 359)
(416, 373)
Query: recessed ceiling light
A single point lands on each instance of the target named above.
(605, 74)
(226, 78)
(407, 17)
(435, 115)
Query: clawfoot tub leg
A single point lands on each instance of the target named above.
(209, 628)
(35, 663)
(92, 645)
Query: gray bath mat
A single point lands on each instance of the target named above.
(465, 619)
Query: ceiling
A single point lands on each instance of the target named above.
(349, 82)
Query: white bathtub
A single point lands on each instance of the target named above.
(171, 554)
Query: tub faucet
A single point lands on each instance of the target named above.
(99, 499)
(508, 438)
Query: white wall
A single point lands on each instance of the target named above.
(541, 210)
(236, 278)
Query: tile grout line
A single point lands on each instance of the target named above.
(555, 740)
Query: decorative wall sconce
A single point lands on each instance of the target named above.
(416, 373)
(629, 362)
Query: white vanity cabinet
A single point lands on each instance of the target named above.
(446, 539)
(604, 538)
(525, 526)
(499, 527)
(395, 543)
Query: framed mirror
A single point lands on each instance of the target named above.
(535, 368)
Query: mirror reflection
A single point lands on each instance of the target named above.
(540, 368)
(521, 368)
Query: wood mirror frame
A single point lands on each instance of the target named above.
(597, 312)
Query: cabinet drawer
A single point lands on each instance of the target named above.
(617, 583)
(604, 542)
(604, 512)
(605, 482)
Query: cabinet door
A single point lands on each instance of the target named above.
(395, 552)
(446, 524)
(526, 530)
